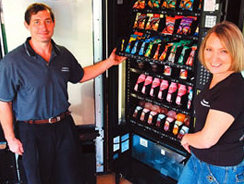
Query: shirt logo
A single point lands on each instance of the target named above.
(65, 69)
(205, 103)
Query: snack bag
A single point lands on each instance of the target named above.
(133, 38)
(170, 24)
(191, 56)
(184, 130)
(133, 51)
(160, 120)
(164, 53)
(200, 5)
(168, 121)
(137, 112)
(185, 25)
(142, 49)
(182, 54)
(177, 127)
(145, 114)
(156, 55)
(150, 46)
(128, 47)
(196, 31)
(154, 3)
(186, 5)
(149, 50)
(140, 21)
(169, 4)
(139, 4)
(143, 46)
(153, 21)
(171, 57)
(122, 45)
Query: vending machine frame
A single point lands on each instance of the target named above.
(126, 138)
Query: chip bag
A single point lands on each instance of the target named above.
(170, 24)
(140, 21)
(186, 5)
(139, 4)
(153, 22)
(185, 25)
(169, 4)
(154, 3)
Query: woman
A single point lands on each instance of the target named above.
(217, 145)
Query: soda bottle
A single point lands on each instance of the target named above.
(177, 127)
(171, 92)
(190, 96)
(147, 85)
(181, 92)
(155, 87)
(184, 130)
(156, 55)
(163, 89)
(190, 58)
(140, 82)
(160, 120)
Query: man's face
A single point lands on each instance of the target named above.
(41, 26)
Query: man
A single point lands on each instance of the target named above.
(33, 83)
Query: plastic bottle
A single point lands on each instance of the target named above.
(140, 82)
(171, 92)
(147, 85)
(181, 92)
(163, 89)
(155, 87)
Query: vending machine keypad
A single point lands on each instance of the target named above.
(210, 21)
(203, 76)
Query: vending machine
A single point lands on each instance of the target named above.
(157, 85)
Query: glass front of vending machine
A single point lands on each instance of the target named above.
(157, 85)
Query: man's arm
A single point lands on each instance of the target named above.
(6, 119)
(93, 71)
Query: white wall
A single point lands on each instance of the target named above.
(74, 31)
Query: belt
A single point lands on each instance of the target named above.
(50, 120)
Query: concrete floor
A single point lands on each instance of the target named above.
(110, 179)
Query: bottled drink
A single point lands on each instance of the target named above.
(163, 89)
(171, 92)
(155, 87)
(147, 85)
(181, 92)
(140, 82)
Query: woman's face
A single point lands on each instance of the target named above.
(217, 58)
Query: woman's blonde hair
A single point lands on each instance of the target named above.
(232, 39)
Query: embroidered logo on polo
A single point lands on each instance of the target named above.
(65, 69)
(205, 103)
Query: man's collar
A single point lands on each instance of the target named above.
(30, 52)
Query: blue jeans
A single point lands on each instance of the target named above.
(198, 172)
(50, 152)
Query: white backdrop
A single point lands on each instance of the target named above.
(74, 31)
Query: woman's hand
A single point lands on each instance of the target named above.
(185, 144)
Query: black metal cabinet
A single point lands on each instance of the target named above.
(87, 135)
(161, 46)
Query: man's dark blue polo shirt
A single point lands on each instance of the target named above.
(38, 89)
